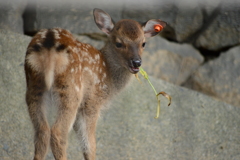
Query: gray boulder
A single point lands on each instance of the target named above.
(170, 61)
(220, 78)
(210, 25)
(223, 30)
(76, 17)
(15, 129)
(193, 127)
(11, 15)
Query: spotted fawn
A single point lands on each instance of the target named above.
(79, 80)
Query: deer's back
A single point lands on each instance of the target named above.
(66, 66)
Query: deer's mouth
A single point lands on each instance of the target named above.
(134, 70)
(134, 65)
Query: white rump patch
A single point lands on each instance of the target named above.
(49, 63)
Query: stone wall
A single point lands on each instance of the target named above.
(198, 33)
(199, 49)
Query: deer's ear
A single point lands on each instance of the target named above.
(103, 20)
(153, 27)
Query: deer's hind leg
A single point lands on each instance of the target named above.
(34, 99)
(69, 101)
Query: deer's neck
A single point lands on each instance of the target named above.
(118, 75)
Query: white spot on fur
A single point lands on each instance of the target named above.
(87, 70)
(85, 49)
(104, 64)
(72, 70)
(84, 53)
(75, 50)
(59, 29)
(104, 76)
(70, 47)
(56, 34)
(77, 88)
(97, 57)
(85, 59)
(43, 34)
(96, 79)
(67, 35)
(39, 43)
(87, 46)
(91, 60)
(57, 44)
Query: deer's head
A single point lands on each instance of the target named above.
(127, 37)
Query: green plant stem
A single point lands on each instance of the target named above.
(156, 94)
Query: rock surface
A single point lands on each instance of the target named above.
(15, 128)
(224, 30)
(76, 17)
(170, 61)
(11, 15)
(210, 25)
(193, 127)
(220, 78)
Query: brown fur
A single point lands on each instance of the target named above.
(129, 29)
(79, 80)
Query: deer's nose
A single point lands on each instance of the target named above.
(136, 63)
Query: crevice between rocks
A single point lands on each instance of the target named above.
(210, 55)
(28, 15)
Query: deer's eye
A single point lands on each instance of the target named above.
(118, 45)
(143, 45)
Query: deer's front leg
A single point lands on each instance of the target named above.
(85, 126)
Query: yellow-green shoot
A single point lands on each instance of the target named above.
(145, 75)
